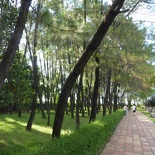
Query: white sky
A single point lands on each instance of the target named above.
(145, 14)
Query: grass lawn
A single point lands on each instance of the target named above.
(146, 113)
(14, 139)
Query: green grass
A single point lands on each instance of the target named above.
(15, 140)
(146, 113)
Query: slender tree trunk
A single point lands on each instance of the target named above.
(95, 93)
(14, 41)
(41, 104)
(19, 110)
(11, 108)
(106, 98)
(72, 104)
(35, 76)
(79, 66)
(110, 102)
(77, 114)
(84, 46)
(78, 101)
(40, 92)
(115, 96)
(110, 92)
(88, 92)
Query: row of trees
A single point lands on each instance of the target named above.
(60, 66)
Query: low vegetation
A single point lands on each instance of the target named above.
(146, 113)
(89, 139)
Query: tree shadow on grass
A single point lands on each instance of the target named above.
(15, 139)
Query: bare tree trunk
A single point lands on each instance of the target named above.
(106, 98)
(14, 41)
(78, 101)
(110, 102)
(77, 111)
(41, 103)
(79, 66)
(72, 104)
(88, 92)
(115, 96)
(35, 76)
(40, 92)
(95, 93)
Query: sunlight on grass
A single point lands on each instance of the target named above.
(9, 126)
(66, 132)
(8, 119)
(3, 142)
(43, 129)
(16, 140)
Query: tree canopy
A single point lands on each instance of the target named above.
(73, 56)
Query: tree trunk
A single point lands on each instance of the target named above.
(41, 104)
(110, 102)
(78, 101)
(79, 66)
(72, 104)
(95, 93)
(77, 112)
(14, 41)
(88, 92)
(19, 111)
(106, 98)
(115, 95)
(35, 76)
(40, 91)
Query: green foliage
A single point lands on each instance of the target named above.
(8, 19)
(146, 113)
(150, 102)
(17, 89)
(88, 140)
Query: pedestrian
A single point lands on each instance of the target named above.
(125, 108)
(134, 109)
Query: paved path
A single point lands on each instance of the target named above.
(135, 135)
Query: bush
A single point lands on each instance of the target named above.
(150, 102)
(88, 140)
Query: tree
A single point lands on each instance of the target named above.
(8, 16)
(95, 91)
(18, 84)
(35, 79)
(78, 68)
(14, 41)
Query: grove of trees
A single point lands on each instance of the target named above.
(78, 57)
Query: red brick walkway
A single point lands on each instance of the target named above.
(135, 135)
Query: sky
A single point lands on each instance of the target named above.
(144, 13)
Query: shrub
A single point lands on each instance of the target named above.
(88, 140)
(150, 102)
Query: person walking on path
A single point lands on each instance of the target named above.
(125, 108)
(134, 109)
(133, 136)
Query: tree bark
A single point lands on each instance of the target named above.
(79, 66)
(106, 98)
(35, 74)
(14, 41)
(95, 93)
(78, 105)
